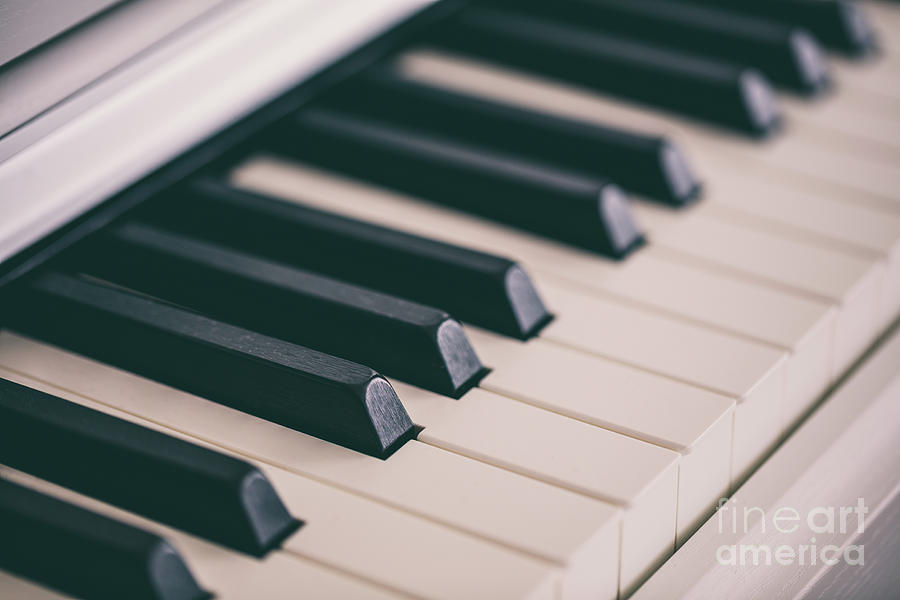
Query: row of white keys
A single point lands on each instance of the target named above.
(856, 282)
(848, 116)
(813, 219)
(604, 324)
(229, 575)
(575, 533)
(691, 421)
(374, 542)
(639, 477)
(780, 158)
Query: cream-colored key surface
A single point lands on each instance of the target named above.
(22, 589)
(857, 231)
(851, 281)
(841, 119)
(693, 422)
(751, 373)
(570, 530)
(637, 476)
(227, 574)
(375, 542)
(782, 158)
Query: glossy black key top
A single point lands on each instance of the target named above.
(402, 339)
(588, 212)
(87, 555)
(840, 25)
(325, 396)
(478, 288)
(645, 164)
(729, 95)
(787, 55)
(212, 495)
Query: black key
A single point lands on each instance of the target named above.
(410, 341)
(328, 397)
(840, 25)
(586, 212)
(482, 289)
(645, 164)
(787, 55)
(85, 554)
(708, 89)
(211, 495)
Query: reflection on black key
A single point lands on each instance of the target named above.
(787, 55)
(840, 25)
(402, 339)
(478, 288)
(212, 495)
(645, 164)
(85, 554)
(709, 89)
(328, 397)
(586, 212)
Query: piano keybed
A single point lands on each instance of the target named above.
(445, 354)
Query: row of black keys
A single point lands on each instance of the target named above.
(247, 297)
(704, 58)
(87, 555)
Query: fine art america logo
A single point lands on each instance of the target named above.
(788, 521)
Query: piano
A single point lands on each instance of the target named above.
(443, 299)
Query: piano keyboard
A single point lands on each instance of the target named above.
(500, 308)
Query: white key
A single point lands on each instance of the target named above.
(784, 157)
(649, 277)
(852, 282)
(375, 542)
(842, 120)
(693, 422)
(637, 476)
(802, 326)
(23, 589)
(227, 574)
(750, 373)
(574, 532)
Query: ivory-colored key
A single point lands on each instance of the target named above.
(639, 477)
(850, 281)
(752, 374)
(375, 542)
(578, 534)
(693, 422)
(227, 574)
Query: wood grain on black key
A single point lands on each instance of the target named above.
(322, 395)
(402, 339)
(645, 164)
(719, 92)
(212, 495)
(482, 289)
(787, 55)
(87, 555)
(840, 25)
(584, 211)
